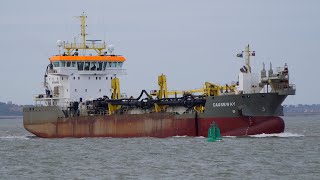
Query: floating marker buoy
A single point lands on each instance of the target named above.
(214, 133)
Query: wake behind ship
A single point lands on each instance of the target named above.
(82, 99)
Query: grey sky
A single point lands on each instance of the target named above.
(189, 41)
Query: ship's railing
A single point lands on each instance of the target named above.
(84, 46)
(51, 100)
(285, 89)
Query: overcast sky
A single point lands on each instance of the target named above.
(189, 41)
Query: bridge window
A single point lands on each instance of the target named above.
(114, 64)
(93, 66)
(56, 64)
(109, 64)
(63, 63)
(120, 64)
(86, 66)
(86, 90)
(99, 66)
(104, 65)
(80, 66)
(68, 64)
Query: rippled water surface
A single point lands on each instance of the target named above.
(293, 154)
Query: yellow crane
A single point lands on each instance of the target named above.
(115, 87)
(209, 89)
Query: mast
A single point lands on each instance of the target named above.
(247, 56)
(83, 29)
(94, 45)
(248, 53)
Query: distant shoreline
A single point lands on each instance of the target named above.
(11, 117)
(300, 113)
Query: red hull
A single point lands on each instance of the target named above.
(152, 125)
(242, 126)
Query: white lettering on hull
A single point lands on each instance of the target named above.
(224, 104)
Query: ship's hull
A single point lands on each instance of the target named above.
(235, 115)
(153, 125)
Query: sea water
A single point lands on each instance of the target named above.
(294, 154)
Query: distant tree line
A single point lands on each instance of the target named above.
(302, 108)
(9, 109)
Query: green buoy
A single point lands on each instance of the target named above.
(214, 133)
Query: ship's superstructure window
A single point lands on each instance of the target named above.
(96, 78)
(73, 64)
(74, 78)
(99, 78)
(68, 64)
(106, 78)
(75, 90)
(99, 66)
(99, 90)
(62, 78)
(80, 66)
(86, 66)
(78, 78)
(120, 64)
(55, 64)
(89, 77)
(93, 66)
(86, 90)
(63, 63)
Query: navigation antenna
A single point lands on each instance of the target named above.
(248, 53)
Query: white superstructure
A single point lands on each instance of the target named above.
(82, 72)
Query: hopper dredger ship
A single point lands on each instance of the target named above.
(82, 99)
